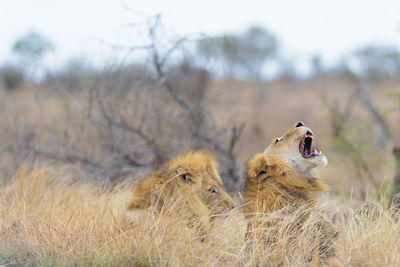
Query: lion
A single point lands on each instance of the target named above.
(282, 179)
(272, 184)
(296, 148)
(283, 174)
(191, 182)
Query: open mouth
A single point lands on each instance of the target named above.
(306, 146)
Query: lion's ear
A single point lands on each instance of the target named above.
(257, 175)
(256, 168)
(180, 170)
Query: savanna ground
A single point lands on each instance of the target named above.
(66, 173)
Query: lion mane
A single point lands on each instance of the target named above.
(274, 186)
(271, 184)
(190, 181)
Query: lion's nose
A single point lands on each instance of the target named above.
(299, 124)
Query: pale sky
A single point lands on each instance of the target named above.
(329, 28)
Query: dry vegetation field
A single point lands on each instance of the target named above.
(66, 174)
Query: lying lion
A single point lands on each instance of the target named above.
(282, 179)
(191, 183)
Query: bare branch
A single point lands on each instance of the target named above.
(383, 132)
(124, 126)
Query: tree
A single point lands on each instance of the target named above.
(243, 54)
(30, 49)
(377, 62)
(223, 50)
(317, 65)
(257, 45)
(11, 76)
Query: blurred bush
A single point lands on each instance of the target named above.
(378, 62)
(75, 74)
(11, 76)
(78, 74)
(369, 63)
(243, 54)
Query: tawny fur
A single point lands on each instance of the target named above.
(273, 186)
(192, 180)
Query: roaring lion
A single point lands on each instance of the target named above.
(190, 182)
(296, 148)
(282, 179)
(283, 174)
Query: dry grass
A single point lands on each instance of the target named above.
(54, 215)
(47, 218)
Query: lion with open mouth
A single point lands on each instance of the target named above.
(296, 147)
(283, 174)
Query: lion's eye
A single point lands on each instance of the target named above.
(186, 177)
(262, 172)
(277, 140)
(213, 191)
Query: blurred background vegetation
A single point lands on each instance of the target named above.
(230, 94)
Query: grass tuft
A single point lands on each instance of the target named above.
(49, 219)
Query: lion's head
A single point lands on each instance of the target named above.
(201, 167)
(194, 175)
(296, 148)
